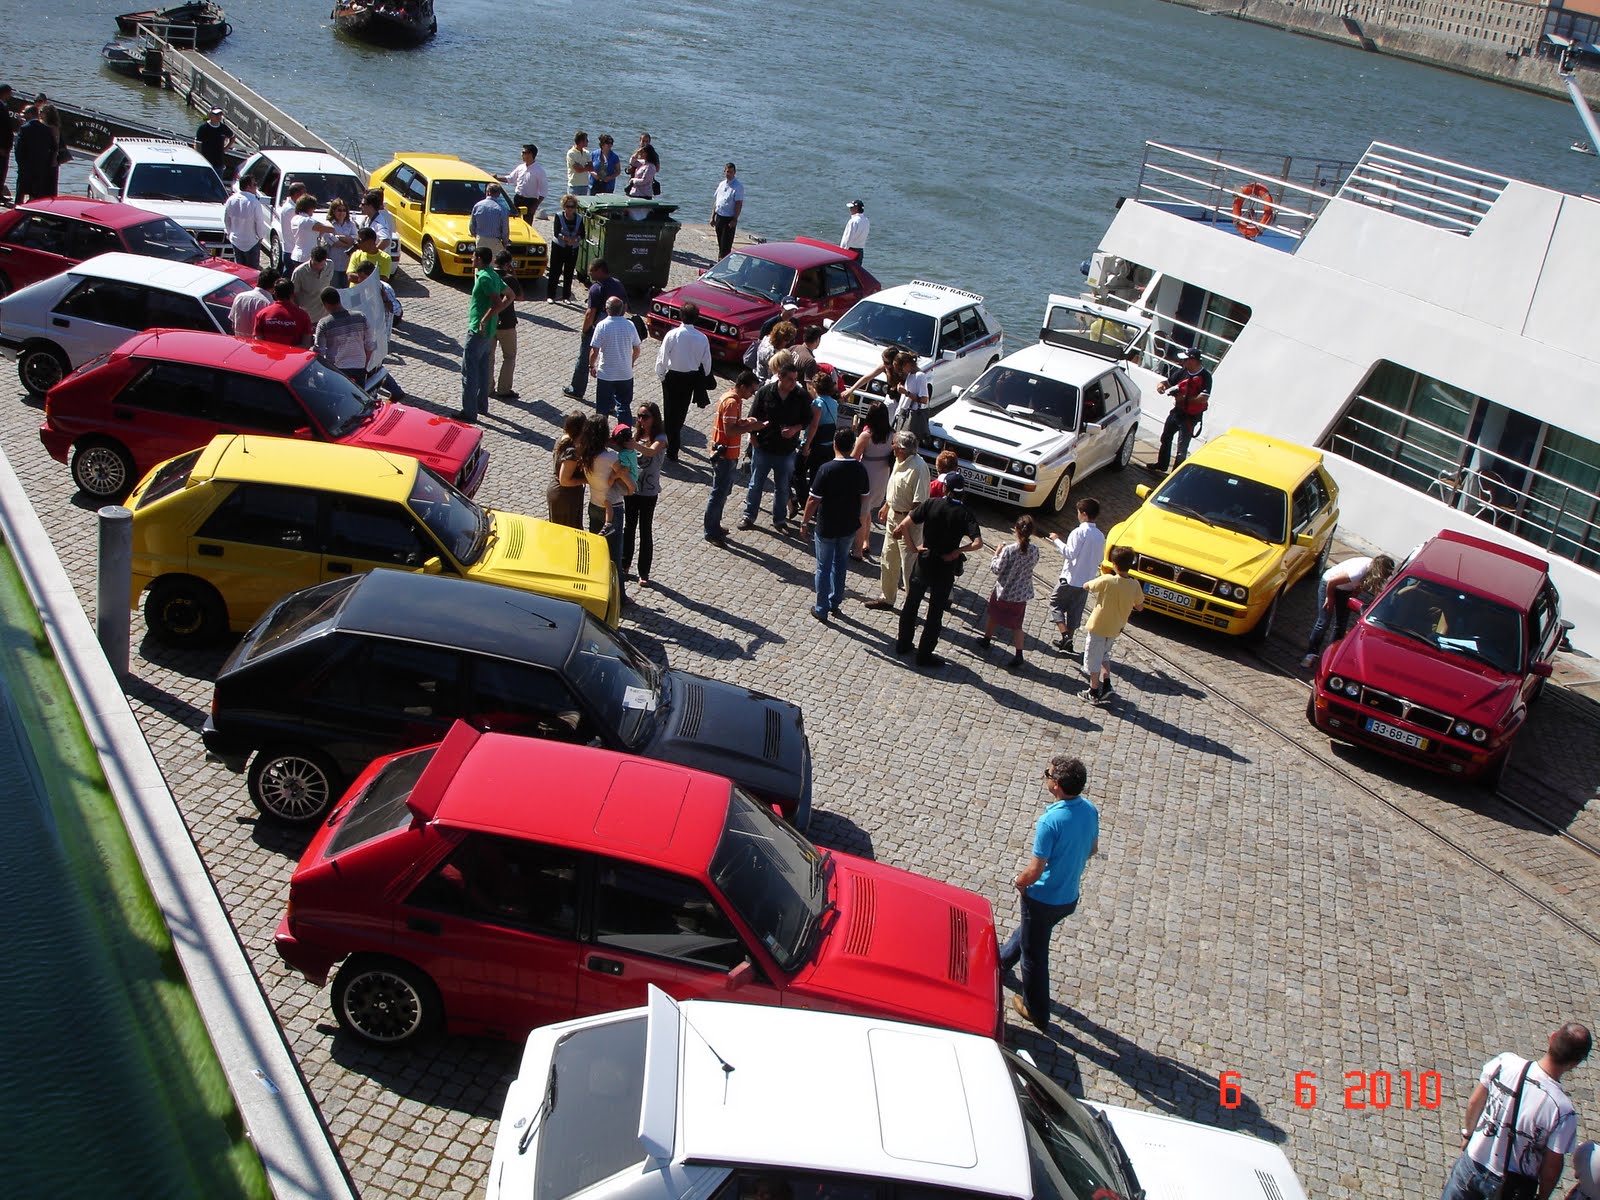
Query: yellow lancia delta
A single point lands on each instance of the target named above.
(221, 533)
(1222, 538)
(430, 197)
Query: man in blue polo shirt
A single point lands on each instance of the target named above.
(1066, 837)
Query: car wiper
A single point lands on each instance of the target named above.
(1243, 527)
(1403, 632)
(1123, 1161)
(1185, 510)
(1470, 650)
(357, 419)
(812, 929)
(546, 1107)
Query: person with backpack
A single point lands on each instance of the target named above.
(1190, 386)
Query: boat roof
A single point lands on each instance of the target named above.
(1252, 455)
(464, 614)
(320, 466)
(184, 278)
(1482, 566)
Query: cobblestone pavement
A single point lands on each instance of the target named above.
(1253, 910)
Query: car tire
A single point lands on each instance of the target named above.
(1311, 706)
(1491, 779)
(1321, 568)
(384, 1001)
(103, 469)
(1258, 633)
(274, 250)
(430, 260)
(1063, 488)
(1125, 451)
(183, 611)
(41, 366)
(293, 785)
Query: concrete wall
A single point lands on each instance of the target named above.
(1387, 29)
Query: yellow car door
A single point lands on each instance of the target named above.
(366, 534)
(258, 545)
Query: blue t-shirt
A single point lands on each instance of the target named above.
(1065, 834)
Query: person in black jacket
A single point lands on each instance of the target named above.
(36, 158)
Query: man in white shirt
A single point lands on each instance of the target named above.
(242, 313)
(613, 349)
(246, 222)
(376, 217)
(726, 205)
(489, 222)
(683, 365)
(1081, 555)
(285, 217)
(856, 230)
(1546, 1123)
(528, 183)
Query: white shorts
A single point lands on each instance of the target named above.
(1097, 653)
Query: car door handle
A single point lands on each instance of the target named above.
(122, 414)
(340, 568)
(61, 322)
(423, 925)
(606, 966)
(208, 551)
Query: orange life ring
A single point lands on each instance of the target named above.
(1251, 219)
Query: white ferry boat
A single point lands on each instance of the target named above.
(1430, 326)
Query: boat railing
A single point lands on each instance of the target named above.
(1433, 191)
(1548, 511)
(1199, 181)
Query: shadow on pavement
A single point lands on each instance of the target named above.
(465, 1075)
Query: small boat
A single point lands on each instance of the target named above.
(135, 59)
(200, 25)
(1581, 148)
(386, 22)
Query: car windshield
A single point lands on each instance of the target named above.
(1233, 502)
(338, 405)
(163, 238)
(588, 1118)
(460, 525)
(759, 278)
(327, 188)
(455, 197)
(1089, 330)
(1451, 620)
(618, 684)
(170, 477)
(884, 325)
(220, 302)
(773, 878)
(381, 807)
(301, 614)
(1072, 1152)
(1049, 400)
(176, 181)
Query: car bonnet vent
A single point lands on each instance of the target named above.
(863, 916)
(449, 438)
(1269, 1185)
(583, 557)
(694, 707)
(769, 748)
(389, 422)
(514, 538)
(958, 945)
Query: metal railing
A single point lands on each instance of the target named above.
(1201, 178)
(1434, 191)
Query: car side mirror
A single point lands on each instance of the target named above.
(1142, 490)
(1354, 604)
(1306, 541)
(433, 566)
(1541, 670)
(827, 322)
(741, 975)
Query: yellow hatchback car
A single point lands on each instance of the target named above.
(223, 532)
(430, 197)
(1241, 521)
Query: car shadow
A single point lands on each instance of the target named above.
(157, 699)
(653, 627)
(201, 662)
(459, 1074)
(836, 832)
(285, 841)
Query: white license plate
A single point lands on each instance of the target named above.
(1404, 736)
(977, 476)
(1170, 596)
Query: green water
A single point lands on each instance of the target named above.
(110, 1085)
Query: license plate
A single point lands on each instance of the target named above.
(1404, 736)
(977, 476)
(1171, 597)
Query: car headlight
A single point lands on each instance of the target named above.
(466, 247)
(1480, 735)
(1236, 592)
(1026, 470)
(1335, 683)
(659, 309)
(1461, 729)
(727, 330)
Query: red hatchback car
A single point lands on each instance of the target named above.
(167, 391)
(1441, 667)
(490, 884)
(43, 238)
(739, 294)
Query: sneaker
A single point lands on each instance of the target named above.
(782, 528)
(607, 529)
(820, 614)
(1155, 468)
(1064, 642)
(717, 538)
(834, 610)
(746, 523)
(573, 392)
(931, 661)
(1309, 661)
(882, 604)
(985, 640)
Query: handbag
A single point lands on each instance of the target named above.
(639, 326)
(1514, 1185)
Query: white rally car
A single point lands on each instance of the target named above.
(704, 1100)
(1045, 418)
(167, 178)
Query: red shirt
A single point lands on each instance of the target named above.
(284, 322)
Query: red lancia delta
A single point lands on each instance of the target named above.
(490, 884)
(1441, 667)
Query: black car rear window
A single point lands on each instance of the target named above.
(382, 807)
(169, 477)
(301, 615)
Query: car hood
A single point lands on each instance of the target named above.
(1008, 434)
(229, 267)
(1189, 543)
(927, 944)
(1180, 1160)
(448, 227)
(444, 444)
(1461, 687)
(756, 740)
(852, 354)
(720, 304)
(544, 557)
(188, 213)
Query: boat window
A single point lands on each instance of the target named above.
(1529, 478)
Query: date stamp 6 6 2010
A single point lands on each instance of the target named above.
(1362, 1089)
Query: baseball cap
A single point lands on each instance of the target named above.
(790, 306)
(856, 204)
(953, 483)
(1191, 352)
(216, 112)
(621, 430)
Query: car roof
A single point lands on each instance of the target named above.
(797, 254)
(575, 796)
(105, 212)
(443, 166)
(1492, 570)
(183, 278)
(883, 1100)
(269, 360)
(483, 618)
(160, 150)
(921, 296)
(290, 159)
(1057, 362)
(1252, 455)
(320, 466)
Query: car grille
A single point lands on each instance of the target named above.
(514, 537)
(1405, 710)
(958, 946)
(694, 709)
(394, 418)
(774, 739)
(532, 251)
(214, 242)
(470, 467)
(583, 557)
(863, 916)
(449, 438)
(1159, 569)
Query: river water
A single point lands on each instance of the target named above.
(990, 139)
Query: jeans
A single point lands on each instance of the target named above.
(722, 472)
(1181, 426)
(639, 519)
(614, 398)
(1030, 942)
(936, 582)
(577, 189)
(781, 467)
(580, 372)
(833, 561)
(1469, 1181)
(475, 374)
(1336, 614)
(558, 279)
(597, 520)
(248, 258)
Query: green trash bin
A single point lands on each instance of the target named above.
(635, 238)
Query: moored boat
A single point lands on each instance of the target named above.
(135, 59)
(200, 25)
(386, 22)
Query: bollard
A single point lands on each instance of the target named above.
(111, 611)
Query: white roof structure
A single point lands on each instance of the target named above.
(182, 278)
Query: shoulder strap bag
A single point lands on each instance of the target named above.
(1514, 1185)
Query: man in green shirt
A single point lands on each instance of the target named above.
(490, 297)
